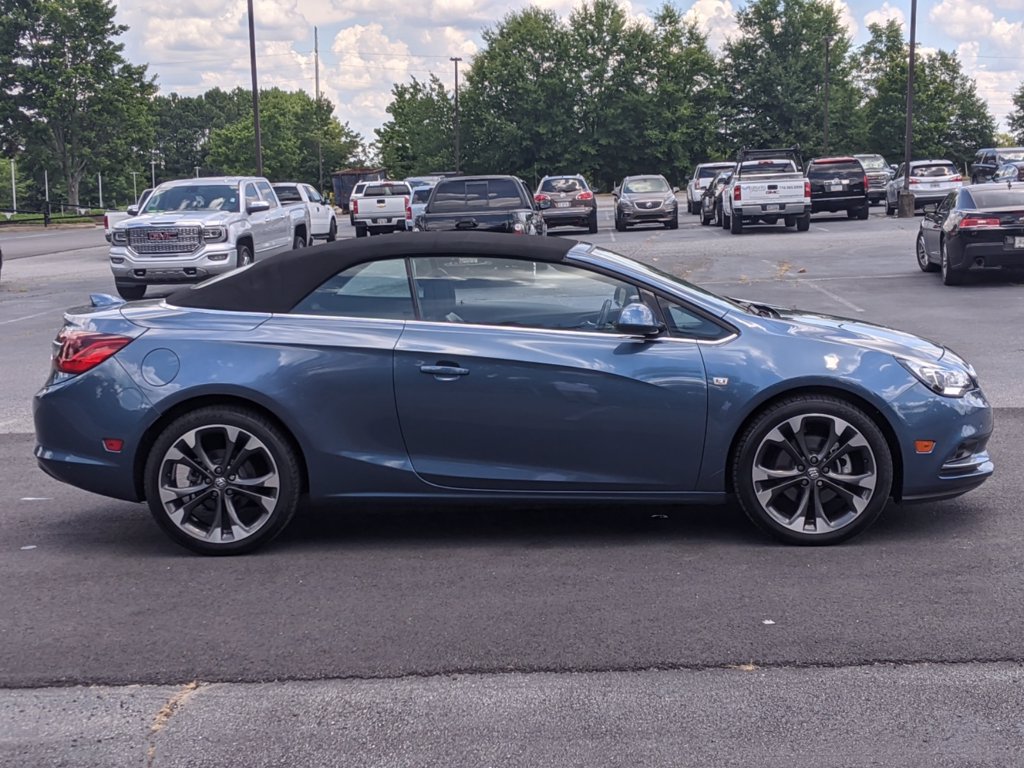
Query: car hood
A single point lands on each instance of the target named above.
(859, 333)
(180, 218)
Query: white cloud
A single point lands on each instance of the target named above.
(716, 18)
(885, 14)
(846, 18)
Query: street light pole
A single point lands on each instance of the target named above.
(456, 59)
(135, 186)
(255, 94)
(197, 171)
(828, 41)
(152, 169)
(906, 199)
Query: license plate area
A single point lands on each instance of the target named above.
(562, 205)
(1016, 242)
(835, 187)
(772, 207)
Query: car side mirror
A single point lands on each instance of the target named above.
(675, 189)
(637, 319)
(133, 210)
(257, 206)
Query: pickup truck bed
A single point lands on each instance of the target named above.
(767, 188)
(481, 204)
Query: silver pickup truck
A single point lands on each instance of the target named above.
(768, 186)
(195, 228)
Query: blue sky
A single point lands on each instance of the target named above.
(367, 45)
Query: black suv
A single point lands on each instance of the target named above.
(839, 184)
(567, 201)
(987, 162)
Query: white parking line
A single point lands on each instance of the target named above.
(818, 226)
(26, 317)
(834, 296)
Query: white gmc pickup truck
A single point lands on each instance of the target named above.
(380, 208)
(767, 187)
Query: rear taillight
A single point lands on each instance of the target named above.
(736, 194)
(914, 181)
(978, 222)
(958, 177)
(106, 222)
(355, 206)
(585, 195)
(540, 197)
(866, 182)
(807, 189)
(80, 351)
(408, 208)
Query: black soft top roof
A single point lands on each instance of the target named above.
(278, 283)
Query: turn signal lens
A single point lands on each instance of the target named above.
(81, 351)
(924, 446)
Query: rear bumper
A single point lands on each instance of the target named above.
(567, 217)
(771, 209)
(983, 256)
(846, 203)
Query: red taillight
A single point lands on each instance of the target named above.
(736, 194)
(977, 222)
(540, 197)
(958, 177)
(355, 206)
(106, 221)
(408, 208)
(914, 181)
(81, 351)
(807, 189)
(866, 182)
(585, 195)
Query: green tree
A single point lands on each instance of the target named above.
(1015, 120)
(78, 100)
(776, 68)
(419, 137)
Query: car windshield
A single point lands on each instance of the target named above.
(421, 194)
(768, 166)
(1010, 155)
(477, 194)
(708, 171)
(287, 193)
(194, 197)
(932, 170)
(821, 170)
(872, 162)
(386, 190)
(561, 185)
(645, 186)
(997, 197)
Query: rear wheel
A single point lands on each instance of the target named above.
(812, 469)
(360, 230)
(803, 223)
(592, 223)
(736, 225)
(705, 220)
(222, 480)
(789, 221)
(922, 256)
(863, 213)
(131, 292)
(950, 276)
(726, 221)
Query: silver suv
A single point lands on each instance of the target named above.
(195, 228)
(645, 200)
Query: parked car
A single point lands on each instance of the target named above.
(879, 172)
(323, 221)
(380, 208)
(973, 230)
(567, 201)
(839, 184)
(196, 228)
(417, 204)
(930, 182)
(711, 198)
(333, 372)
(646, 199)
(703, 175)
(482, 204)
(1009, 172)
(987, 161)
(110, 218)
(768, 186)
(354, 195)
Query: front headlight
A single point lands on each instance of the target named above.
(624, 203)
(119, 237)
(215, 234)
(942, 379)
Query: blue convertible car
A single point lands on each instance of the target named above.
(471, 366)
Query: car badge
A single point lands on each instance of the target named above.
(720, 381)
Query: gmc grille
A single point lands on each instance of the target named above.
(164, 240)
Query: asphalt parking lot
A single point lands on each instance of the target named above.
(527, 636)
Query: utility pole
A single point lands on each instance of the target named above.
(14, 188)
(828, 41)
(255, 94)
(456, 59)
(197, 170)
(152, 169)
(319, 128)
(906, 199)
(135, 186)
(46, 184)
(99, 179)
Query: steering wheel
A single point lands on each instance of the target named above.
(606, 313)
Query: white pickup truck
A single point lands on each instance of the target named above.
(767, 187)
(110, 218)
(322, 219)
(380, 208)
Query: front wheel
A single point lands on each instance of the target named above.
(332, 233)
(812, 469)
(299, 241)
(243, 255)
(131, 292)
(923, 262)
(620, 225)
(222, 480)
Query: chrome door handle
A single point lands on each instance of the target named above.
(444, 372)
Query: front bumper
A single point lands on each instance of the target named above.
(132, 268)
(648, 216)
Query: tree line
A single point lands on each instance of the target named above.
(597, 92)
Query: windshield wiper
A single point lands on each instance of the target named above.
(762, 310)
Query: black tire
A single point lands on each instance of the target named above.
(360, 230)
(268, 453)
(718, 216)
(620, 225)
(923, 261)
(243, 255)
(130, 292)
(890, 210)
(704, 220)
(674, 223)
(726, 221)
(796, 499)
(851, 213)
(352, 219)
(803, 223)
(789, 221)
(863, 213)
(592, 223)
(332, 233)
(950, 276)
(736, 225)
(299, 241)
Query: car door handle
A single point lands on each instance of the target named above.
(444, 372)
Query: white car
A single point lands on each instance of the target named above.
(417, 204)
(930, 181)
(703, 175)
(322, 219)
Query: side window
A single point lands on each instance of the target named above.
(251, 195)
(377, 289)
(268, 193)
(313, 195)
(947, 202)
(688, 324)
(518, 293)
(990, 158)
